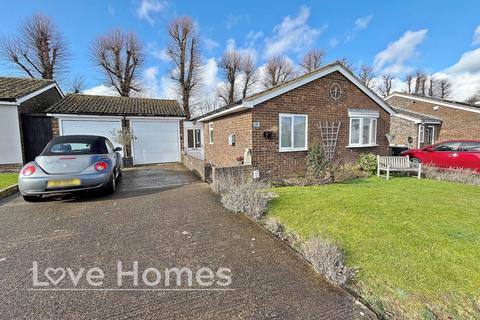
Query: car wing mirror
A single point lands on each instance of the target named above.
(118, 149)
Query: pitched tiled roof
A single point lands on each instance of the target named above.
(12, 88)
(122, 106)
(417, 115)
(293, 81)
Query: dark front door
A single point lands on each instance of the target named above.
(37, 132)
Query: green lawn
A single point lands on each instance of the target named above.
(7, 179)
(416, 242)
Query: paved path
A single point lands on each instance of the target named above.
(161, 217)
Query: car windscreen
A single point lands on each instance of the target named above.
(75, 147)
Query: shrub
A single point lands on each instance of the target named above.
(465, 176)
(318, 165)
(348, 172)
(274, 226)
(250, 197)
(367, 162)
(328, 259)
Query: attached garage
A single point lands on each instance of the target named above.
(97, 126)
(156, 140)
(155, 123)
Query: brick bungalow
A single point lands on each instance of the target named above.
(422, 121)
(329, 106)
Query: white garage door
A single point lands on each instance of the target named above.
(157, 141)
(95, 127)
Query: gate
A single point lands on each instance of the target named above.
(37, 132)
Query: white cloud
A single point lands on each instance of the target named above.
(476, 36)
(464, 75)
(333, 42)
(102, 90)
(363, 22)
(210, 44)
(401, 50)
(158, 53)
(209, 74)
(292, 34)
(250, 50)
(147, 8)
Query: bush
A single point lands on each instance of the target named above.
(318, 165)
(367, 162)
(328, 259)
(250, 197)
(348, 172)
(274, 226)
(465, 176)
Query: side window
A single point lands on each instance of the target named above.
(448, 146)
(210, 132)
(198, 138)
(470, 146)
(190, 139)
(109, 146)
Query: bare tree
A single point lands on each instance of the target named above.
(346, 63)
(444, 88)
(366, 75)
(277, 70)
(77, 84)
(474, 100)
(249, 72)
(184, 50)
(386, 86)
(431, 86)
(205, 105)
(231, 64)
(119, 55)
(409, 81)
(420, 80)
(38, 49)
(312, 60)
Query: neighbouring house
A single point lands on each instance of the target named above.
(24, 128)
(422, 121)
(156, 123)
(276, 126)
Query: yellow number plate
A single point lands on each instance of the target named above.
(63, 183)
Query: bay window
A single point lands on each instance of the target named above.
(293, 132)
(363, 128)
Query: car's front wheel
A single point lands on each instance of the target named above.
(32, 198)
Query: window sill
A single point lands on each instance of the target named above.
(293, 150)
(363, 146)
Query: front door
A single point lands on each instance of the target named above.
(430, 135)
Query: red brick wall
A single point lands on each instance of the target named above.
(220, 153)
(457, 124)
(314, 100)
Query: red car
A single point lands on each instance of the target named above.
(449, 154)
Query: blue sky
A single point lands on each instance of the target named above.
(440, 37)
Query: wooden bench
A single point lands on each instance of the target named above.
(397, 164)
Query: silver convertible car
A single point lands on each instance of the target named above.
(70, 164)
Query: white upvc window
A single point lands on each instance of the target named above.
(293, 132)
(194, 139)
(421, 133)
(210, 132)
(363, 132)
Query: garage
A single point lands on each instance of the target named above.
(93, 126)
(155, 123)
(157, 141)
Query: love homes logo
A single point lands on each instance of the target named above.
(130, 278)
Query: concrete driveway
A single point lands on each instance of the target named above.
(162, 217)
